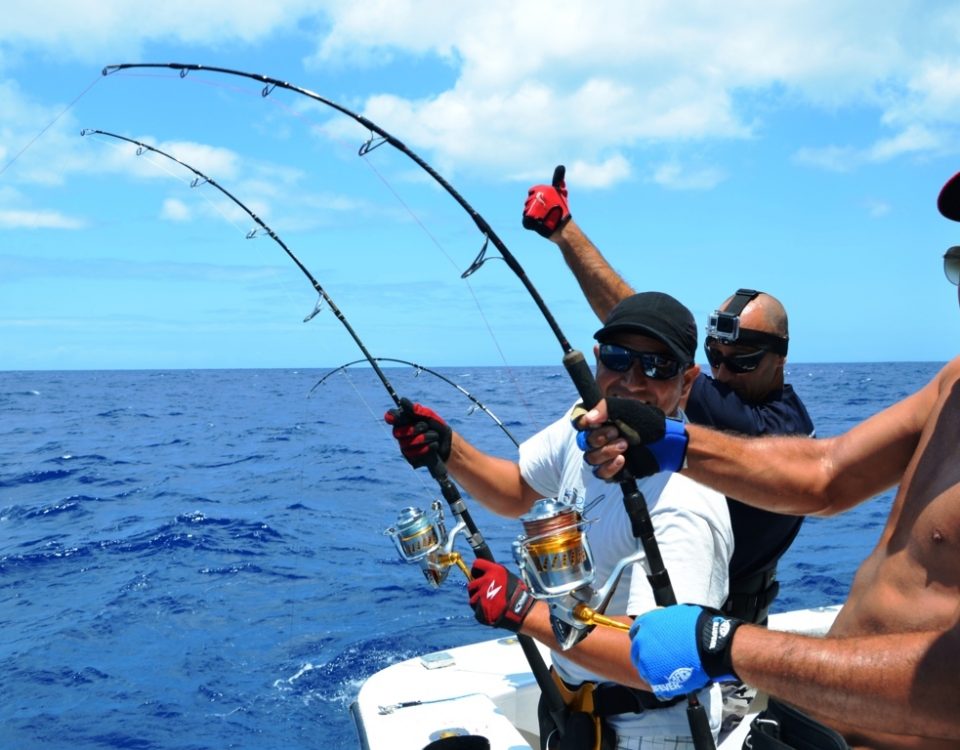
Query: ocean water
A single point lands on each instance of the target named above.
(196, 559)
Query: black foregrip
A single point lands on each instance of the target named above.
(438, 470)
(582, 378)
(641, 525)
(699, 725)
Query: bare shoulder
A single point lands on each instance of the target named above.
(915, 410)
(949, 374)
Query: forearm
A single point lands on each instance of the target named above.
(602, 286)
(605, 651)
(799, 475)
(903, 684)
(495, 482)
(785, 474)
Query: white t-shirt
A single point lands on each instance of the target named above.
(692, 527)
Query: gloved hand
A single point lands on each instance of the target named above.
(546, 210)
(682, 648)
(499, 599)
(419, 431)
(656, 443)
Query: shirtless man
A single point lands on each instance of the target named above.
(886, 674)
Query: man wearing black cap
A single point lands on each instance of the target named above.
(746, 347)
(645, 354)
(885, 676)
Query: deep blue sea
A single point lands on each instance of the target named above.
(196, 559)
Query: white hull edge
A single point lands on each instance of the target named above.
(486, 689)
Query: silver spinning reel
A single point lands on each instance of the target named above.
(556, 564)
(421, 537)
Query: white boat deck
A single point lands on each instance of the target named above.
(483, 689)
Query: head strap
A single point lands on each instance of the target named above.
(724, 326)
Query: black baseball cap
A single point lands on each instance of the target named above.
(949, 200)
(658, 316)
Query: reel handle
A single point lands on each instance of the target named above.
(455, 558)
(591, 617)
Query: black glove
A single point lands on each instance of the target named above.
(545, 210)
(499, 599)
(420, 431)
(655, 443)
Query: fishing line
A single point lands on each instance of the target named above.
(146, 153)
(370, 145)
(376, 417)
(436, 466)
(418, 369)
(473, 294)
(573, 360)
(50, 124)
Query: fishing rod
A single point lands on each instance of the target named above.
(573, 360)
(437, 468)
(421, 368)
(426, 544)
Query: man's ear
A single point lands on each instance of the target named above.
(689, 375)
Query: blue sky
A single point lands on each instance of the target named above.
(796, 148)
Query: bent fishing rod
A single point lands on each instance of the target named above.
(573, 360)
(421, 368)
(437, 468)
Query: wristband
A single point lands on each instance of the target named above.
(670, 451)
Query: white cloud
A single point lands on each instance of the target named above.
(175, 210)
(677, 177)
(830, 158)
(114, 27)
(618, 74)
(877, 209)
(578, 81)
(13, 219)
(915, 139)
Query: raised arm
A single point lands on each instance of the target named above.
(601, 284)
(546, 212)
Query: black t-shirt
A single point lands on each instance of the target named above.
(760, 537)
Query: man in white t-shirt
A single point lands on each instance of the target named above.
(645, 352)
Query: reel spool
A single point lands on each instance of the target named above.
(421, 537)
(556, 564)
(553, 555)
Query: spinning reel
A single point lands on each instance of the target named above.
(421, 537)
(556, 564)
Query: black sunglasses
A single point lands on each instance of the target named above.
(736, 363)
(951, 265)
(655, 365)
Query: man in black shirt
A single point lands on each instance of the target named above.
(746, 346)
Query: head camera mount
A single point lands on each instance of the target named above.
(724, 326)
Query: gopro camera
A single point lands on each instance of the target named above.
(724, 325)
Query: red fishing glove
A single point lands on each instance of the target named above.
(419, 431)
(499, 599)
(546, 209)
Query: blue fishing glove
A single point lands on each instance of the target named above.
(656, 443)
(680, 649)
